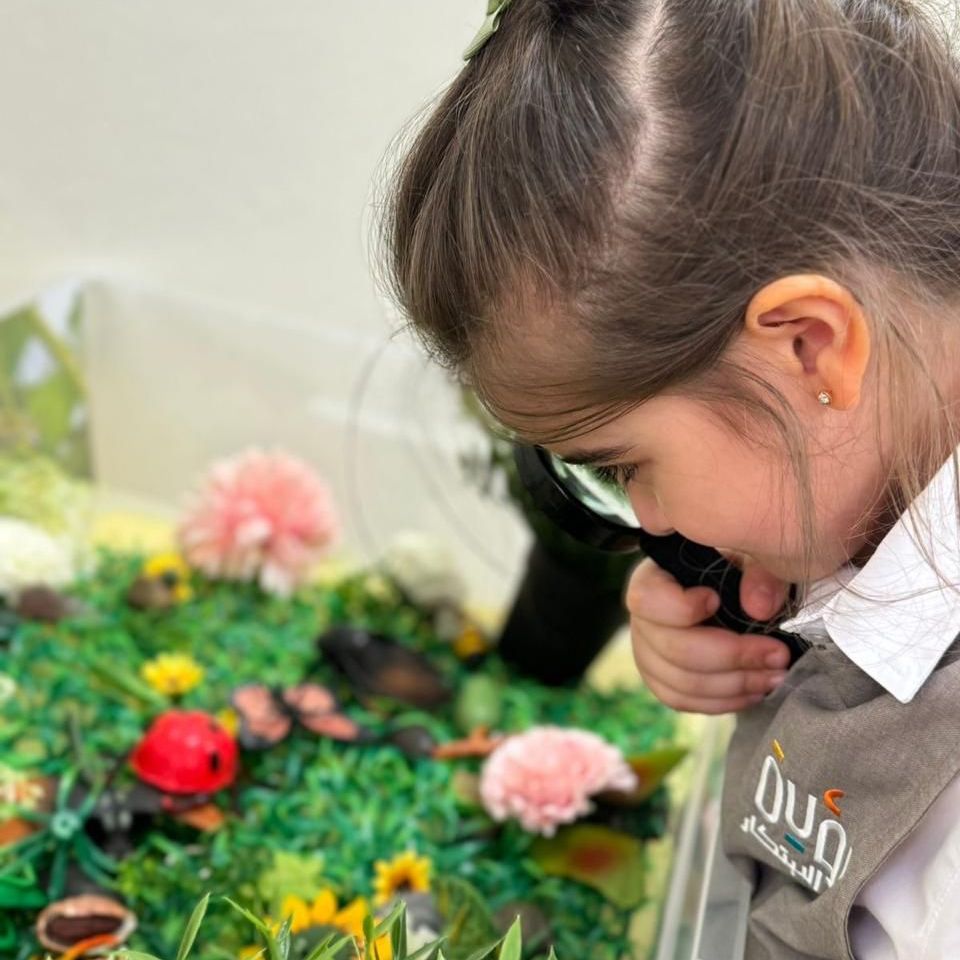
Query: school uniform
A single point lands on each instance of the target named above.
(842, 792)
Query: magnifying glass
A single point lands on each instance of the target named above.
(599, 515)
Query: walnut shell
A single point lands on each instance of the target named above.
(66, 922)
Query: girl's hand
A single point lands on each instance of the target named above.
(703, 669)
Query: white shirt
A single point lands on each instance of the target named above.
(895, 620)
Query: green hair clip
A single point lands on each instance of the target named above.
(495, 11)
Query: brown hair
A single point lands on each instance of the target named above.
(631, 172)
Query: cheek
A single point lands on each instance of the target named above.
(731, 500)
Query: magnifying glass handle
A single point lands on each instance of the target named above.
(694, 565)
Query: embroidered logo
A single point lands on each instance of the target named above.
(815, 849)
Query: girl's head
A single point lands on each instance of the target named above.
(651, 233)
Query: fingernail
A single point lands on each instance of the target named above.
(775, 679)
(777, 659)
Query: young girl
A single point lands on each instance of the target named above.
(713, 246)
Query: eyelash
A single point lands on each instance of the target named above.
(621, 474)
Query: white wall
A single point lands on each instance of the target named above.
(214, 159)
(222, 147)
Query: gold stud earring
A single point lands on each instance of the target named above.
(824, 398)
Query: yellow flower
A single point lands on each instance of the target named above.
(325, 911)
(172, 673)
(324, 908)
(406, 871)
(298, 910)
(350, 918)
(228, 719)
(173, 570)
(383, 949)
(470, 643)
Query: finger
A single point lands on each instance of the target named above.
(762, 595)
(655, 595)
(688, 704)
(707, 649)
(732, 685)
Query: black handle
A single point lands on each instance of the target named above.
(694, 565)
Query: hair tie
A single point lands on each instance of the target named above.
(495, 11)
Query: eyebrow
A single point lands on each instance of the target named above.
(603, 455)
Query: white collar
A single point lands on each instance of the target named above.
(894, 618)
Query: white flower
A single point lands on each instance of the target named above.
(30, 556)
(424, 570)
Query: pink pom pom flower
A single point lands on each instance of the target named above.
(263, 516)
(546, 776)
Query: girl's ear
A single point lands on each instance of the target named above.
(815, 329)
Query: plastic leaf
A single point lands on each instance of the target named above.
(193, 925)
(609, 861)
(395, 923)
(468, 918)
(512, 943)
(486, 951)
(651, 770)
(273, 947)
(283, 938)
(112, 675)
(389, 922)
(21, 892)
(430, 951)
(330, 949)
(299, 875)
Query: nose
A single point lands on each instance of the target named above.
(649, 513)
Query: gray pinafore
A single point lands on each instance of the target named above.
(824, 779)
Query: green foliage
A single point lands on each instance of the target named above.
(308, 812)
(276, 944)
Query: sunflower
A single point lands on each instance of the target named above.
(172, 673)
(406, 871)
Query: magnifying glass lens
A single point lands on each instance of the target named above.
(606, 498)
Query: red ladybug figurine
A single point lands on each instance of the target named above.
(184, 752)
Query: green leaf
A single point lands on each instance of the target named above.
(469, 923)
(21, 892)
(247, 915)
(486, 951)
(193, 925)
(512, 943)
(395, 923)
(651, 770)
(283, 938)
(133, 955)
(113, 675)
(429, 951)
(607, 860)
(389, 922)
(327, 950)
(273, 948)
(290, 874)
(368, 938)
